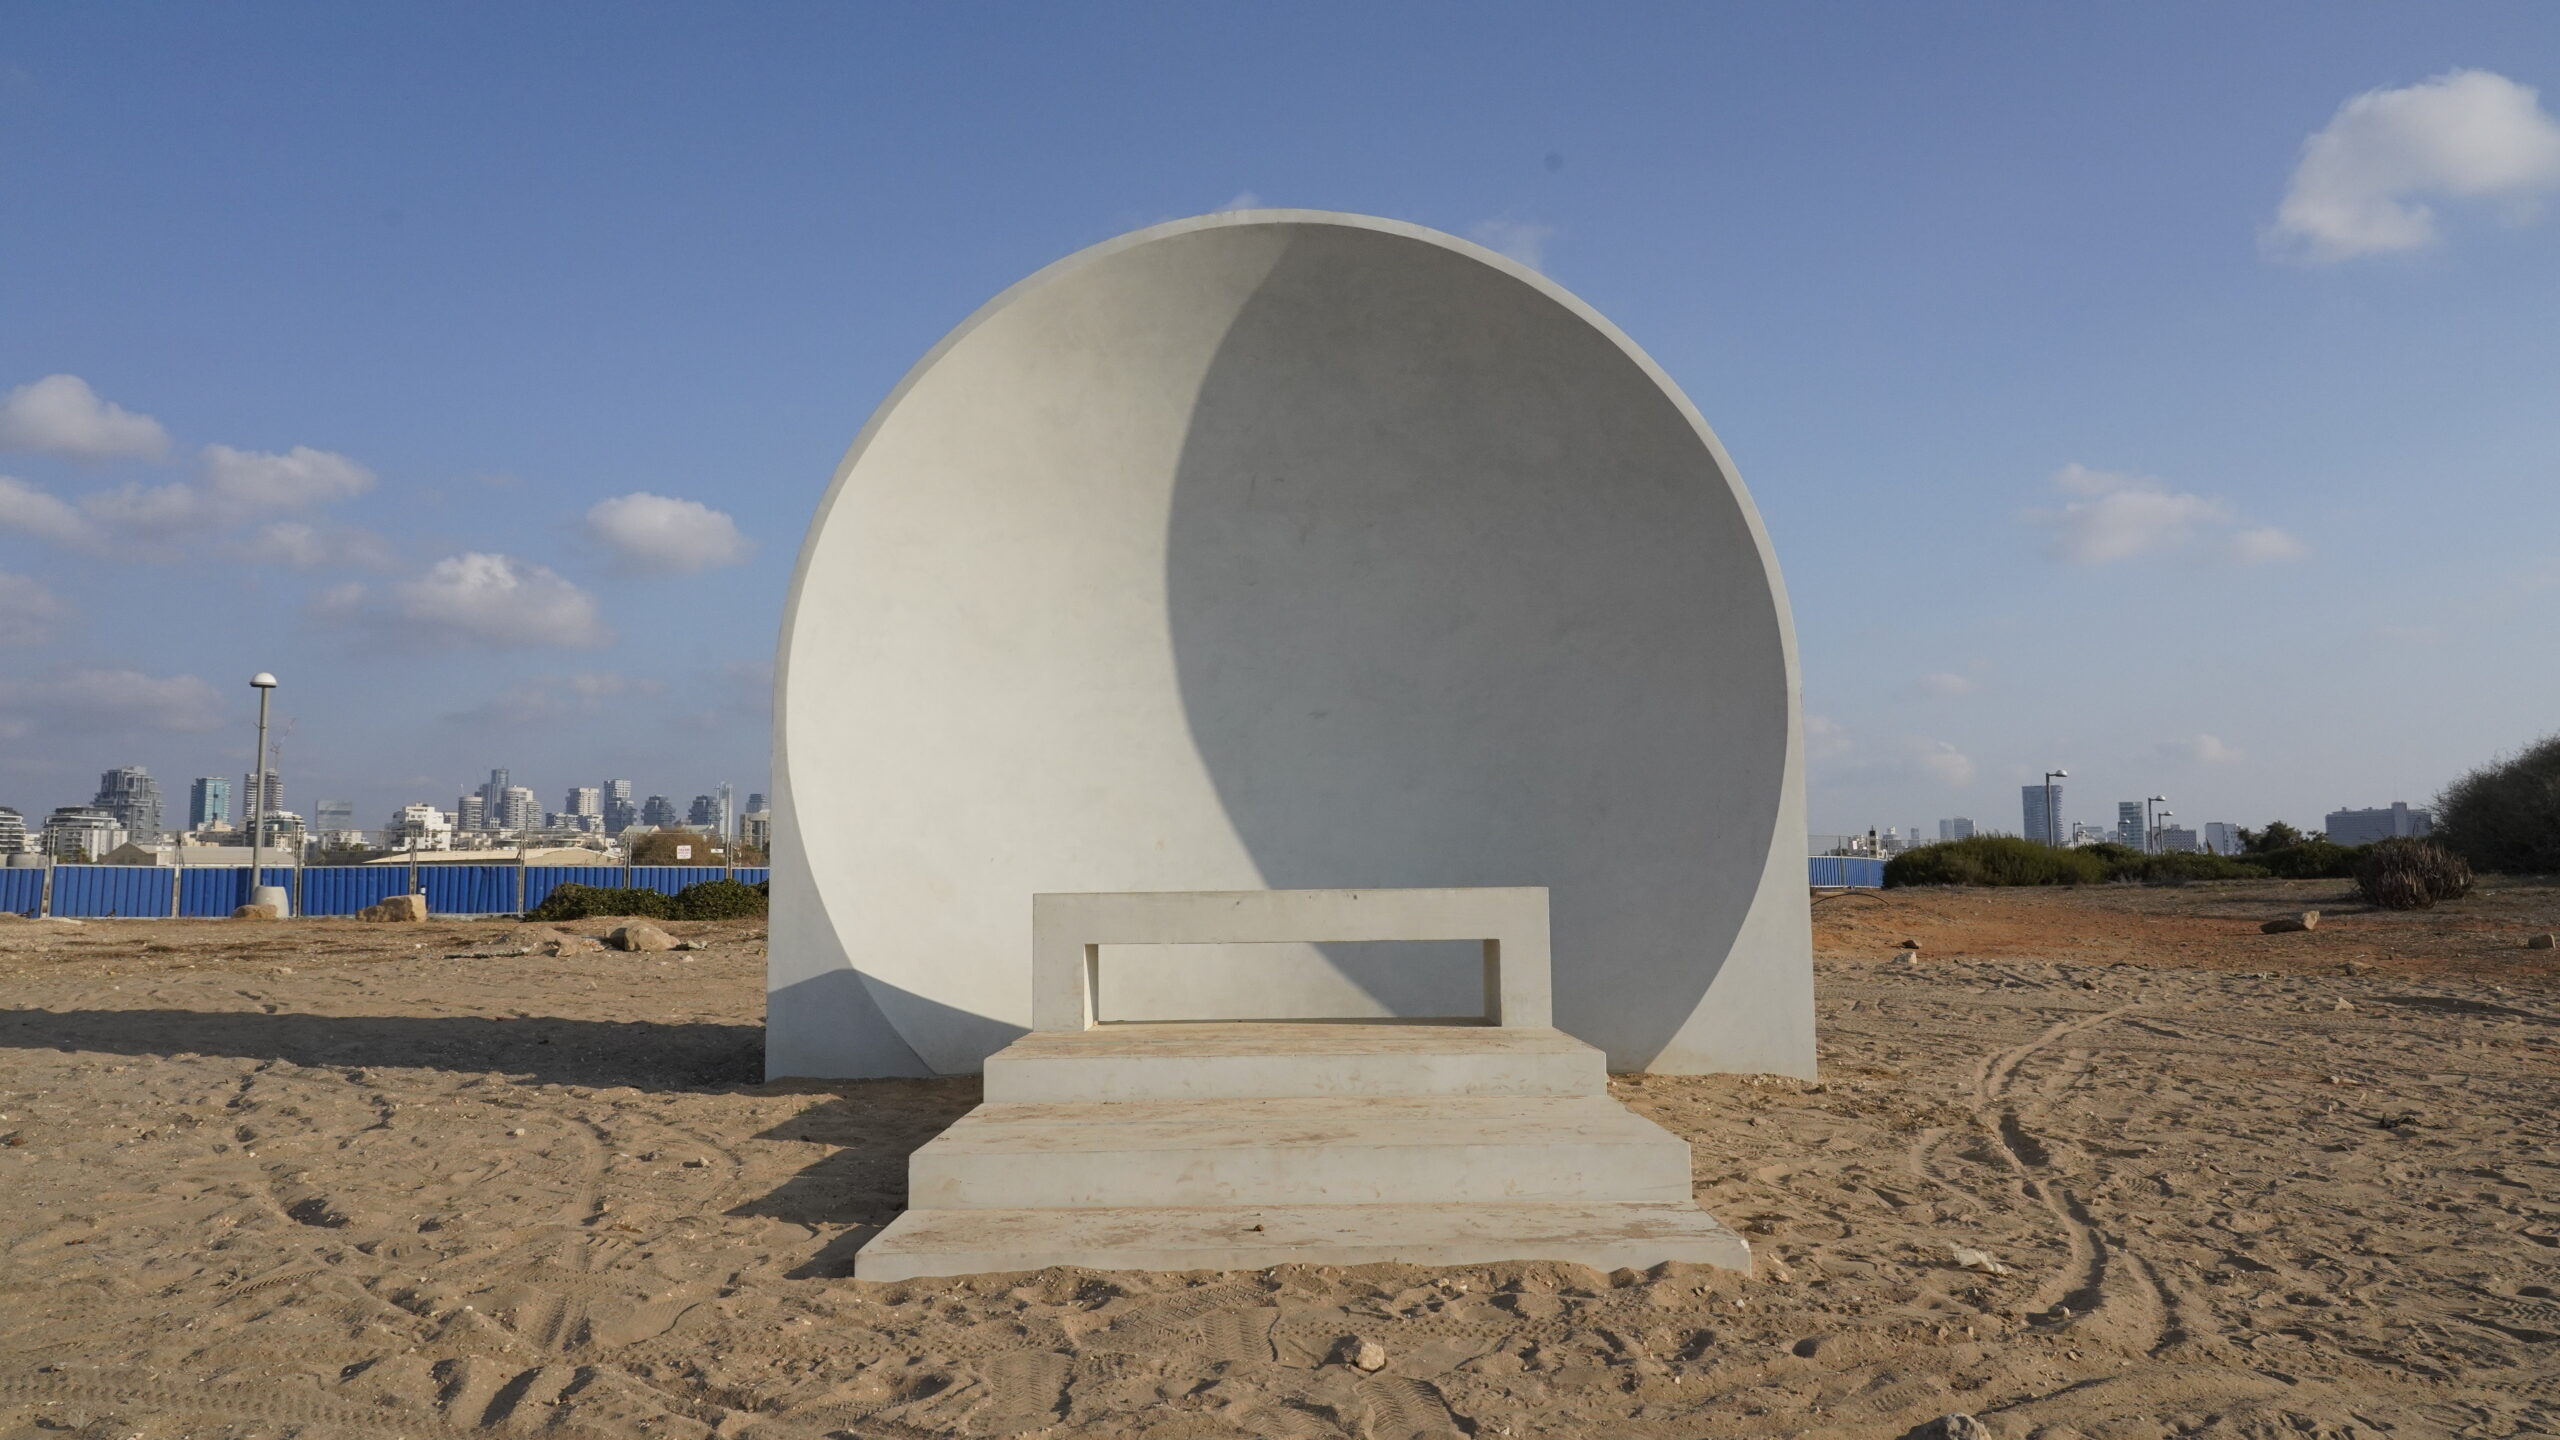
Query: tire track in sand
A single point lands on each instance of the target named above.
(2104, 1280)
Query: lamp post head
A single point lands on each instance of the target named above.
(262, 681)
(2059, 774)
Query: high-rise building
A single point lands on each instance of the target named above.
(755, 802)
(2129, 824)
(471, 814)
(2043, 807)
(421, 827)
(728, 810)
(704, 812)
(619, 813)
(2178, 839)
(250, 793)
(658, 811)
(2222, 838)
(208, 802)
(755, 828)
(492, 796)
(2363, 827)
(585, 800)
(263, 792)
(13, 832)
(1958, 828)
(81, 832)
(333, 815)
(130, 794)
(517, 809)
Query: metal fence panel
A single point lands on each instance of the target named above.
(210, 892)
(21, 891)
(670, 878)
(469, 889)
(96, 891)
(541, 880)
(346, 889)
(751, 874)
(1846, 872)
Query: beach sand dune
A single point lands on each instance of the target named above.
(326, 1179)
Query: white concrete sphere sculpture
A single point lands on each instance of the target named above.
(1286, 549)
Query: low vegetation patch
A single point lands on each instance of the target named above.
(715, 899)
(2505, 816)
(1993, 860)
(2411, 874)
(2010, 860)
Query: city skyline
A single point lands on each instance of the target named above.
(2141, 358)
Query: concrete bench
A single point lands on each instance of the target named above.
(1068, 931)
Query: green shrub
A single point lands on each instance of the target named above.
(2411, 874)
(719, 900)
(1993, 860)
(2309, 860)
(715, 899)
(2505, 816)
(581, 902)
(2178, 867)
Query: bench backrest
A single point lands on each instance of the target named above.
(1068, 931)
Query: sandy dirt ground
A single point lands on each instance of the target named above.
(321, 1179)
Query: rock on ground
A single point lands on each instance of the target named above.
(641, 936)
(396, 909)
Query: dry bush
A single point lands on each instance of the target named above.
(2410, 874)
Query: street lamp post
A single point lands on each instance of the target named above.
(2052, 821)
(2150, 827)
(261, 893)
(2157, 841)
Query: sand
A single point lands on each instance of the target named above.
(330, 1179)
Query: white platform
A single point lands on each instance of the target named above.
(1223, 1146)
(1276, 1060)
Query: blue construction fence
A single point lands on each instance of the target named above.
(157, 892)
(1847, 872)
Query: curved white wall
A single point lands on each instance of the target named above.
(1285, 549)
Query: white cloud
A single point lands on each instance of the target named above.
(496, 600)
(2203, 749)
(61, 415)
(28, 611)
(2261, 543)
(657, 532)
(1946, 684)
(1522, 240)
(540, 704)
(301, 545)
(251, 482)
(1824, 737)
(25, 508)
(152, 510)
(2113, 516)
(1244, 200)
(2466, 134)
(1945, 763)
(238, 486)
(339, 604)
(1910, 759)
(112, 701)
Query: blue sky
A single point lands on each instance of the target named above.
(2167, 392)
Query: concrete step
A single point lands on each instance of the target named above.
(1307, 1151)
(1275, 1060)
(1604, 1237)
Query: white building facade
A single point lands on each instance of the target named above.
(2363, 827)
